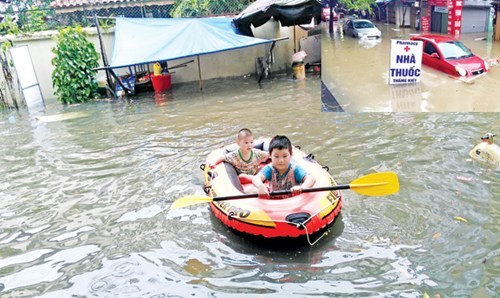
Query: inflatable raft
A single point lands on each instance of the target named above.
(289, 217)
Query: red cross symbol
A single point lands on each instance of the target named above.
(407, 48)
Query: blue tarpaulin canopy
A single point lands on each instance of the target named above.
(149, 40)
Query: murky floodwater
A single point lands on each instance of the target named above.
(85, 202)
(356, 73)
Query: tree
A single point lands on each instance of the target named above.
(354, 5)
(358, 5)
(32, 14)
(351, 5)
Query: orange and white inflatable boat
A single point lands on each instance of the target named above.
(291, 217)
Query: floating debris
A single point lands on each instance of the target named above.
(62, 117)
(486, 151)
(463, 178)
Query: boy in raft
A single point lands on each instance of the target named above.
(281, 173)
(246, 159)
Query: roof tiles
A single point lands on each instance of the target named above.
(74, 3)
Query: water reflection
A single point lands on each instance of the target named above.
(407, 98)
(230, 266)
(46, 268)
(147, 212)
(72, 234)
(369, 42)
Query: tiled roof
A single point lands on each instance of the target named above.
(75, 3)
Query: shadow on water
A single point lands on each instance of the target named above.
(252, 244)
(328, 101)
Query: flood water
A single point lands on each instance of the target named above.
(85, 201)
(355, 71)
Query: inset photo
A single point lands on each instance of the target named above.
(410, 56)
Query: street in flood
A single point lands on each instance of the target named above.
(87, 190)
(355, 71)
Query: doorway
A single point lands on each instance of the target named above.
(439, 19)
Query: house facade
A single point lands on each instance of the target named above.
(473, 15)
(496, 15)
(441, 16)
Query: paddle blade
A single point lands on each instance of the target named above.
(376, 184)
(190, 200)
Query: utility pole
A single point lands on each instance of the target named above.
(331, 4)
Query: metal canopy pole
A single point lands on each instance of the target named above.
(294, 41)
(103, 52)
(199, 73)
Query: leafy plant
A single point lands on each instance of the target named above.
(8, 26)
(354, 5)
(33, 14)
(358, 5)
(107, 23)
(34, 20)
(74, 61)
(189, 8)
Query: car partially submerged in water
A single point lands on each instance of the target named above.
(451, 56)
(361, 28)
(325, 14)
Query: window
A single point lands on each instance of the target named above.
(454, 50)
(429, 48)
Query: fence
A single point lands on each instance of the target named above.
(62, 15)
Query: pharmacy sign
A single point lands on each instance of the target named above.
(406, 61)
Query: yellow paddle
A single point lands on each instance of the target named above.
(376, 184)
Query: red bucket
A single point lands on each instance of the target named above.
(162, 82)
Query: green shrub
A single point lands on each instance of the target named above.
(75, 58)
(8, 26)
(34, 21)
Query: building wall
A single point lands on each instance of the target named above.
(225, 64)
(401, 16)
(475, 19)
(475, 14)
(496, 26)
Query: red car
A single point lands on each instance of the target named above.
(325, 14)
(450, 56)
